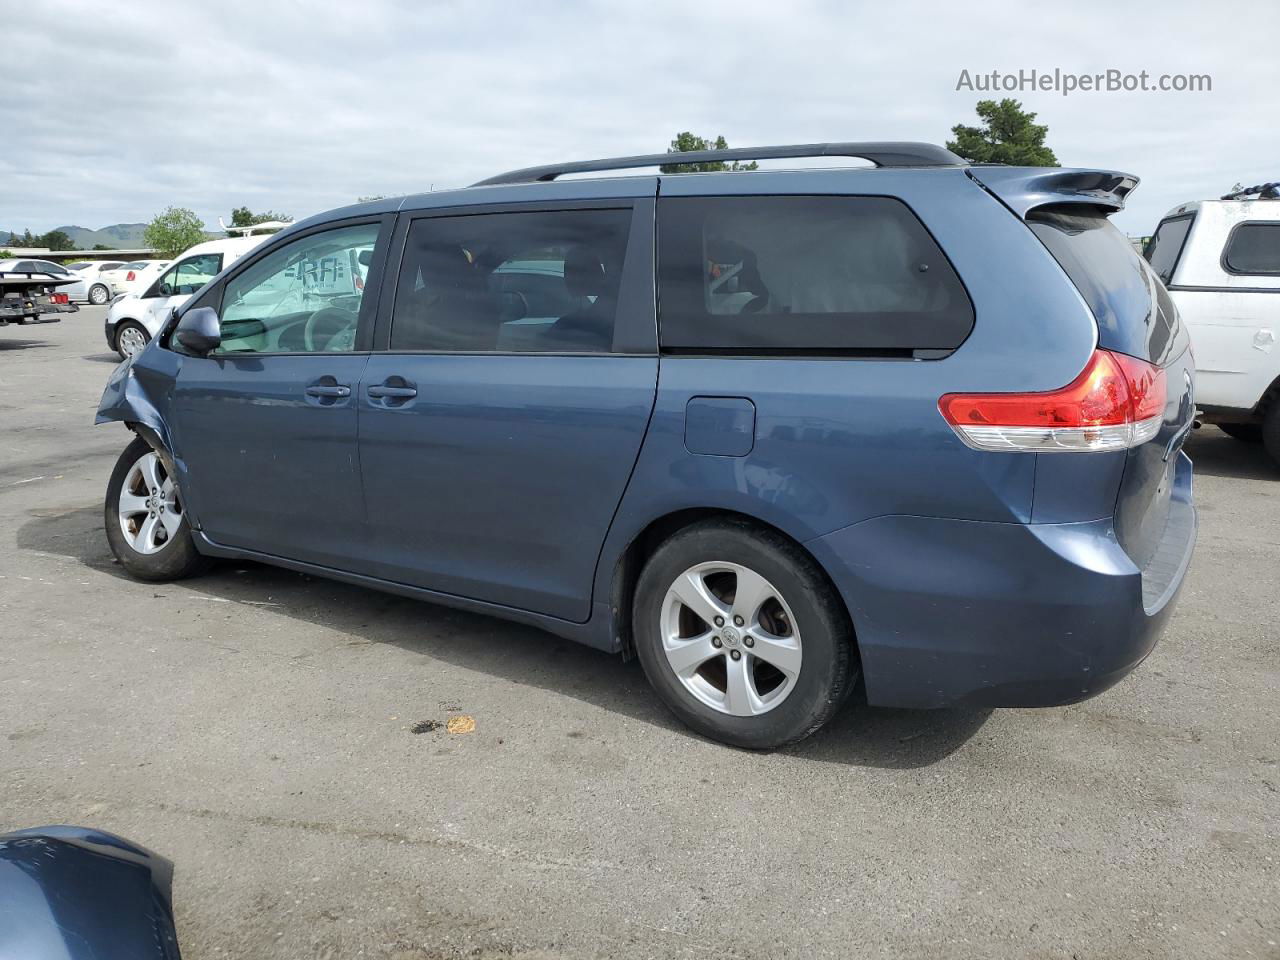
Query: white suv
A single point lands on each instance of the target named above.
(135, 318)
(1220, 260)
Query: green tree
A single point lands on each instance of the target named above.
(5, 254)
(244, 217)
(56, 240)
(173, 231)
(686, 142)
(1008, 135)
(102, 246)
(27, 239)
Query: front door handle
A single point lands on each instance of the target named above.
(328, 390)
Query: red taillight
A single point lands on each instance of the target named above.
(59, 298)
(1117, 402)
(130, 276)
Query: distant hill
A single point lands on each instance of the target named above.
(118, 236)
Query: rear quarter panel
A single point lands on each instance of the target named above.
(838, 441)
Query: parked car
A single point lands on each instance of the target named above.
(92, 285)
(921, 424)
(134, 318)
(132, 276)
(32, 296)
(74, 893)
(1220, 260)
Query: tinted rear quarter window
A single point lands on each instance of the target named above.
(1135, 314)
(1253, 248)
(1164, 249)
(804, 274)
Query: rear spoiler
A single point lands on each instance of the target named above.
(1022, 189)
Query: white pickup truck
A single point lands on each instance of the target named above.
(1220, 260)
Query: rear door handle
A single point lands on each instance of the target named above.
(398, 392)
(328, 390)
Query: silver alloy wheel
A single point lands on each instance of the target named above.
(98, 294)
(150, 511)
(131, 341)
(730, 638)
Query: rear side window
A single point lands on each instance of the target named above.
(535, 282)
(1253, 248)
(1135, 315)
(804, 275)
(1164, 249)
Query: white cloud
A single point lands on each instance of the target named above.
(303, 106)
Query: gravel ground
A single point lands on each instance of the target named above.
(258, 727)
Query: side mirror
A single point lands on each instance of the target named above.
(365, 257)
(199, 331)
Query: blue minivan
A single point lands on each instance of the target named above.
(917, 424)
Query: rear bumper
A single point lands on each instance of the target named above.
(952, 612)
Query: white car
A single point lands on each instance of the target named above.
(135, 318)
(1220, 260)
(132, 276)
(85, 283)
(93, 286)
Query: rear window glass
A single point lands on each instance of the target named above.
(1135, 315)
(1164, 249)
(1254, 248)
(804, 274)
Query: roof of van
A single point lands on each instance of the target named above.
(1251, 209)
(1019, 188)
(236, 245)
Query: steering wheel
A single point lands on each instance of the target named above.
(329, 329)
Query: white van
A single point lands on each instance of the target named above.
(135, 318)
(1220, 260)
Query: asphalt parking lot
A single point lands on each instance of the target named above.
(258, 728)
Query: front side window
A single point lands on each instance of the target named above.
(537, 282)
(303, 297)
(803, 274)
(187, 276)
(1254, 248)
(1164, 249)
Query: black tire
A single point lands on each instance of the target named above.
(175, 559)
(130, 325)
(103, 294)
(1248, 432)
(828, 669)
(1271, 432)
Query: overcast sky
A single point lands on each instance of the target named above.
(110, 112)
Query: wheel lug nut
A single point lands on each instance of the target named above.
(748, 641)
(716, 642)
(735, 654)
(738, 621)
(719, 621)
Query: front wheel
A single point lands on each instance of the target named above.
(742, 636)
(99, 294)
(146, 523)
(131, 337)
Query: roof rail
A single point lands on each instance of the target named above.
(883, 154)
(1265, 191)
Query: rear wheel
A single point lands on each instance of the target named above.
(742, 636)
(1248, 432)
(147, 526)
(99, 294)
(131, 337)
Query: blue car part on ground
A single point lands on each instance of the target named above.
(73, 893)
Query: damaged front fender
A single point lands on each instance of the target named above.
(138, 392)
